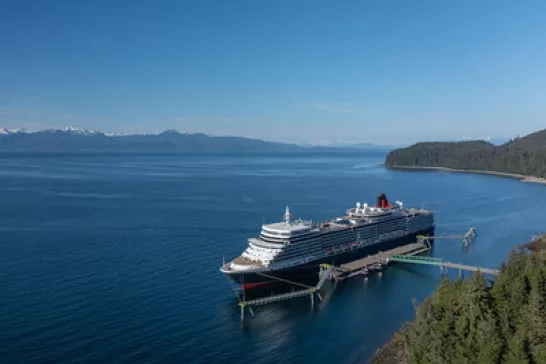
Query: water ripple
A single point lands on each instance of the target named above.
(115, 258)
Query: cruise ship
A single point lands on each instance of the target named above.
(294, 249)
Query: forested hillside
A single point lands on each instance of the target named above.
(525, 156)
(469, 322)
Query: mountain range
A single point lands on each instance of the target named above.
(73, 139)
(69, 129)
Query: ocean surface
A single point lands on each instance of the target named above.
(116, 258)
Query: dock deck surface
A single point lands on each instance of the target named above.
(410, 249)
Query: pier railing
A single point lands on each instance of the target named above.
(439, 262)
(325, 274)
(409, 253)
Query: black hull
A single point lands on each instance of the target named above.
(251, 279)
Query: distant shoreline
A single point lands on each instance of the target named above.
(521, 177)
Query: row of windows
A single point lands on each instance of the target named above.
(272, 240)
(266, 250)
(271, 232)
(261, 254)
(340, 240)
(391, 226)
(276, 246)
(292, 240)
(286, 234)
(300, 250)
(365, 232)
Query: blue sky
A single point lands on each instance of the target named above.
(297, 71)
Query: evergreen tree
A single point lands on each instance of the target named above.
(490, 341)
(503, 305)
(537, 322)
(416, 336)
(474, 304)
(526, 156)
(446, 310)
(518, 348)
(468, 322)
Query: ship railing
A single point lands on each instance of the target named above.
(227, 266)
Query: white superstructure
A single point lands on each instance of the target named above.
(291, 243)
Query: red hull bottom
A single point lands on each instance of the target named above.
(255, 285)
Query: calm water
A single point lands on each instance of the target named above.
(115, 258)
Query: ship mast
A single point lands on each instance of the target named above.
(287, 216)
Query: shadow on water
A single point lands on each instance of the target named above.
(290, 309)
(277, 288)
(302, 306)
(119, 269)
(311, 281)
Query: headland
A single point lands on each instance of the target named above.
(522, 158)
(521, 177)
(478, 321)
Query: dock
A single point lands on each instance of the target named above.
(440, 263)
(377, 261)
(325, 274)
(470, 268)
(406, 253)
(409, 253)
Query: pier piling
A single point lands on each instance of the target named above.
(325, 274)
(363, 267)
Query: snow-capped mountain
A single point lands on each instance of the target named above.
(5, 131)
(72, 139)
(74, 130)
(69, 130)
(79, 131)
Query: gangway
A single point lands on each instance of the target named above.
(325, 274)
(439, 262)
(404, 254)
(467, 238)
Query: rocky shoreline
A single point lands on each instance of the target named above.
(522, 178)
(394, 351)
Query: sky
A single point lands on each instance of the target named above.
(315, 71)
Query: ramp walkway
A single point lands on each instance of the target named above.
(439, 262)
(325, 274)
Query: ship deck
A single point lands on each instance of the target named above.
(245, 261)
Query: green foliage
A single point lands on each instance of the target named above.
(472, 322)
(525, 156)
